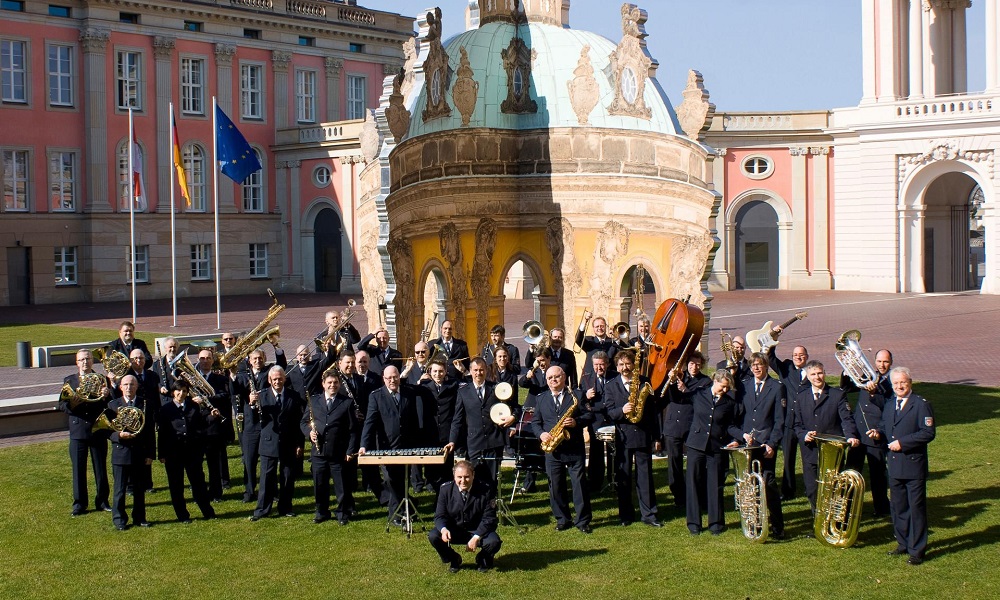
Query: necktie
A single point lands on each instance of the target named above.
(558, 400)
(447, 346)
(480, 392)
(329, 404)
(759, 385)
(465, 497)
(715, 399)
(555, 355)
(816, 396)
(395, 398)
(600, 384)
(438, 386)
(899, 403)
(802, 374)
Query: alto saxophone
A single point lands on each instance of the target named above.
(558, 432)
(637, 396)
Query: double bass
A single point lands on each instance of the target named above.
(675, 330)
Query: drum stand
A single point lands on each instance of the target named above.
(609, 457)
(407, 509)
(504, 513)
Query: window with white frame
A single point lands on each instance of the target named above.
(305, 96)
(356, 96)
(258, 260)
(201, 262)
(13, 71)
(15, 180)
(62, 181)
(141, 264)
(757, 166)
(253, 189)
(322, 176)
(65, 263)
(128, 73)
(252, 91)
(60, 68)
(123, 180)
(194, 169)
(192, 86)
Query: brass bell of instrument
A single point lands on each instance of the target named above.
(838, 495)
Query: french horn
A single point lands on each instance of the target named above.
(129, 419)
(91, 389)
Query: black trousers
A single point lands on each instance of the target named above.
(642, 461)
(125, 476)
(98, 450)
(706, 478)
(191, 464)
(556, 469)
(674, 446)
(489, 544)
(876, 473)
(772, 499)
(789, 446)
(810, 471)
(323, 470)
(438, 475)
(250, 441)
(486, 466)
(909, 514)
(277, 479)
(394, 481)
(217, 464)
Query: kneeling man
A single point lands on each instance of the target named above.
(466, 514)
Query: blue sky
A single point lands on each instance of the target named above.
(754, 54)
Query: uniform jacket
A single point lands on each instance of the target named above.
(913, 428)
(119, 345)
(338, 430)
(279, 424)
(591, 344)
(459, 349)
(567, 360)
(410, 425)
(830, 414)
(680, 412)
(547, 415)
(713, 424)
(379, 360)
(597, 405)
(512, 352)
(82, 418)
(793, 380)
(472, 415)
(182, 431)
(639, 435)
(136, 450)
(763, 415)
(444, 402)
(477, 515)
(868, 410)
(311, 377)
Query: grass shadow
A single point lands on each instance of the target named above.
(541, 559)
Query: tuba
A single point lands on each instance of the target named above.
(115, 363)
(751, 501)
(839, 495)
(129, 418)
(254, 338)
(91, 389)
(852, 358)
(558, 431)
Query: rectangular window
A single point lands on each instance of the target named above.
(62, 181)
(141, 265)
(357, 47)
(128, 18)
(13, 71)
(305, 96)
(251, 34)
(258, 260)
(201, 262)
(252, 91)
(59, 11)
(193, 157)
(192, 86)
(129, 76)
(355, 97)
(253, 191)
(192, 26)
(65, 262)
(60, 75)
(15, 180)
(14, 5)
(307, 41)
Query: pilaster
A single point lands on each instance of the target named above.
(281, 191)
(820, 271)
(719, 279)
(992, 48)
(334, 67)
(224, 54)
(800, 222)
(916, 54)
(280, 61)
(95, 120)
(163, 53)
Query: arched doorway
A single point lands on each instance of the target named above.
(638, 293)
(952, 225)
(520, 303)
(434, 301)
(327, 241)
(756, 246)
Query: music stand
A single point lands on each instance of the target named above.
(406, 511)
(504, 513)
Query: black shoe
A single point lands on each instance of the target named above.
(209, 516)
(288, 514)
(456, 562)
(562, 526)
(778, 535)
(219, 499)
(653, 523)
(248, 499)
(353, 513)
(104, 507)
(320, 518)
(694, 531)
(121, 527)
(254, 518)
(896, 552)
(77, 512)
(717, 532)
(145, 524)
(185, 521)
(584, 528)
(342, 520)
(624, 522)
(914, 560)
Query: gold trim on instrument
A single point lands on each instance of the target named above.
(254, 338)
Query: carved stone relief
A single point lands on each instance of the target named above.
(584, 92)
(695, 111)
(943, 150)
(369, 138)
(688, 257)
(372, 279)
(517, 59)
(451, 250)
(612, 246)
(401, 255)
(437, 73)
(466, 89)
(482, 274)
(631, 66)
(410, 54)
(560, 237)
(396, 114)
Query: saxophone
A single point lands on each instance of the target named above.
(558, 431)
(839, 495)
(255, 338)
(637, 396)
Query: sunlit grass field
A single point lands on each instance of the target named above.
(45, 335)
(48, 554)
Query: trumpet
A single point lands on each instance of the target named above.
(587, 316)
(323, 340)
(622, 332)
(727, 349)
(428, 327)
(536, 336)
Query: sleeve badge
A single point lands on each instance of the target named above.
(928, 421)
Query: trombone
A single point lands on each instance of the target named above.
(323, 339)
(428, 327)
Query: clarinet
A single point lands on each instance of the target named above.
(252, 382)
(318, 446)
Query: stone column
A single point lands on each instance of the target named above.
(888, 68)
(869, 53)
(349, 280)
(294, 217)
(334, 67)
(820, 270)
(991, 224)
(224, 85)
(800, 222)
(960, 67)
(936, 55)
(911, 249)
(720, 279)
(163, 52)
(916, 34)
(279, 66)
(95, 119)
(992, 48)
(281, 205)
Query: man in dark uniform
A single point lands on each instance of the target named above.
(867, 416)
(368, 381)
(820, 409)
(281, 443)
(342, 336)
(498, 336)
(557, 347)
(248, 387)
(677, 423)
(161, 367)
(454, 348)
(181, 425)
(740, 370)
(131, 453)
(149, 389)
(792, 373)
(599, 341)
(484, 439)
(126, 341)
(418, 366)
(444, 392)
(592, 388)
(908, 426)
(306, 375)
(218, 432)
(381, 353)
(714, 425)
(331, 426)
(82, 441)
(763, 426)
(466, 514)
(633, 441)
(552, 406)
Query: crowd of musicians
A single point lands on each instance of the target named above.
(350, 396)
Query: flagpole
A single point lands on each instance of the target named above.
(131, 203)
(173, 226)
(215, 184)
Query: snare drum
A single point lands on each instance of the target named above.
(606, 434)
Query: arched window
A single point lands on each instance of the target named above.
(253, 189)
(138, 181)
(194, 169)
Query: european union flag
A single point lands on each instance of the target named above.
(236, 158)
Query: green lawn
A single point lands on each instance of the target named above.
(46, 553)
(50, 335)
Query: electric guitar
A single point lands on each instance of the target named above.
(761, 340)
